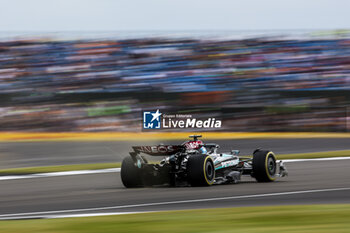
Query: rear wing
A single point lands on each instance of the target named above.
(160, 150)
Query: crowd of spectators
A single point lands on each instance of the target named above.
(262, 84)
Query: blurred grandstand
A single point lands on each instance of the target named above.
(261, 84)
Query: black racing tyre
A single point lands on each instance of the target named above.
(130, 174)
(264, 166)
(201, 170)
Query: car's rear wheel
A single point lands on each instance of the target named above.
(130, 174)
(264, 166)
(201, 170)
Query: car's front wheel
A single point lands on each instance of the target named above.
(264, 166)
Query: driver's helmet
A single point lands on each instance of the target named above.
(195, 145)
(203, 150)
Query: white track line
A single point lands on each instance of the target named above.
(111, 170)
(53, 174)
(316, 159)
(70, 215)
(51, 214)
(94, 214)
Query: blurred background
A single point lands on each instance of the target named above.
(253, 80)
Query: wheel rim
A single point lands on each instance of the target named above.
(271, 166)
(209, 170)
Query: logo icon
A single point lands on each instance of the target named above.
(151, 120)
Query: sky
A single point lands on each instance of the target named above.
(143, 15)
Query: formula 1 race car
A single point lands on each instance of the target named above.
(197, 164)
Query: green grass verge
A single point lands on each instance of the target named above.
(300, 218)
(75, 167)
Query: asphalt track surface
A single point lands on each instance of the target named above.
(307, 183)
(28, 154)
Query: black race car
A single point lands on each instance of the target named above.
(197, 164)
